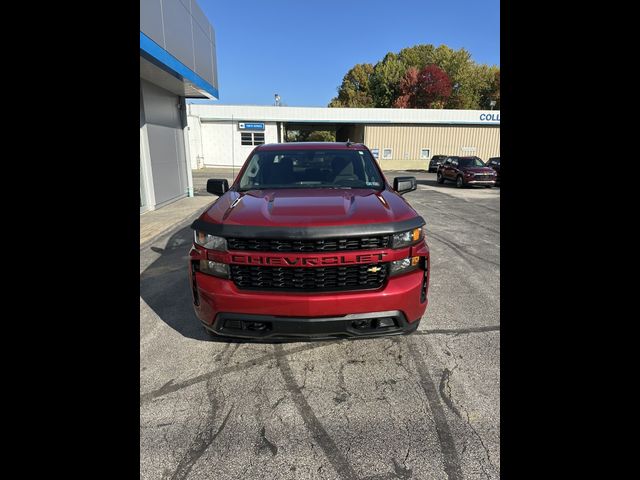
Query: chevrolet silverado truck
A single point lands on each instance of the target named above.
(310, 241)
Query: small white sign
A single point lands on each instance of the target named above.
(468, 149)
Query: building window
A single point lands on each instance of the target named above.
(387, 153)
(425, 153)
(246, 138)
(249, 138)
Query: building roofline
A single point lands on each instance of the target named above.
(208, 112)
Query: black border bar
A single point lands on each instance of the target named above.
(338, 231)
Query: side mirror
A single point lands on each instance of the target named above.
(403, 185)
(217, 186)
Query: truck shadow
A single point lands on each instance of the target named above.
(164, 286)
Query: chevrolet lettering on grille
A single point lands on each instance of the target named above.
(296, 261)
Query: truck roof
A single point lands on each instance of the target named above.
(312, 146)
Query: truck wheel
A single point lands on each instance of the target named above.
(440, 178)
(459, 182)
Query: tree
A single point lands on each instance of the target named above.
(427, 88)
(418, 56)
(354, 91)
(384, 83)
(311, 136)
(321, 136)
(379, 86)
(493, 92)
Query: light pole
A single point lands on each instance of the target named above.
(492, 104)
(277, 97)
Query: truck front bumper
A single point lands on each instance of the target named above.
(393, 309)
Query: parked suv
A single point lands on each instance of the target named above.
(494, 163)
(309, 241)
(466, 171)
(435, 162)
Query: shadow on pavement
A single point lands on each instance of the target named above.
(447, 184)
(164, 286)
(433, 183)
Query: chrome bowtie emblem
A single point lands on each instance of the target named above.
(374, 269)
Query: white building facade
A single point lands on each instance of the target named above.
(224, 135)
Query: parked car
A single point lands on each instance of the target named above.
(310, 241)
(466, 171)
(494, 162)
(435, 162)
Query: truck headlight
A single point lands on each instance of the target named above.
(404, 265)
(404, 239)
(209, 241)
(214, 268)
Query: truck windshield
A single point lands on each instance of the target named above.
(273, 169)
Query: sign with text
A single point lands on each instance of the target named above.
(251, 125)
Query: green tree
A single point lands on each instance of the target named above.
(384, 83)
(491, 92)
(418, 56)
(321, 136)
(354, 91)
(473, 85)
(310, 136)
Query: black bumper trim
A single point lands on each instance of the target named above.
(340, 231)
(311, 328)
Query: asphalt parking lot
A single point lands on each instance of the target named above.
(424, 406)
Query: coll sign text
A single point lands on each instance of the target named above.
(490, 117)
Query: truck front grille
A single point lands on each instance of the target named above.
(484, 178)
(313, 279)
(322, 245)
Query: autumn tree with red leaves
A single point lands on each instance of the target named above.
(427, 88)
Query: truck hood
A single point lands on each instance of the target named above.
(308, 207)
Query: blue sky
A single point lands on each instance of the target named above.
(302, 49)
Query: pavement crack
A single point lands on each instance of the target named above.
(332, 452)
(446, 376)
(205, 437)
(401, 471)
(445, 392)
(458, 331)
(451, 461)
(267, 443)
(198, 446)
(170, 387)
(484, 447)
(277, 403)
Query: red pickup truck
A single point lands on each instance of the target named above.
(310, 241)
